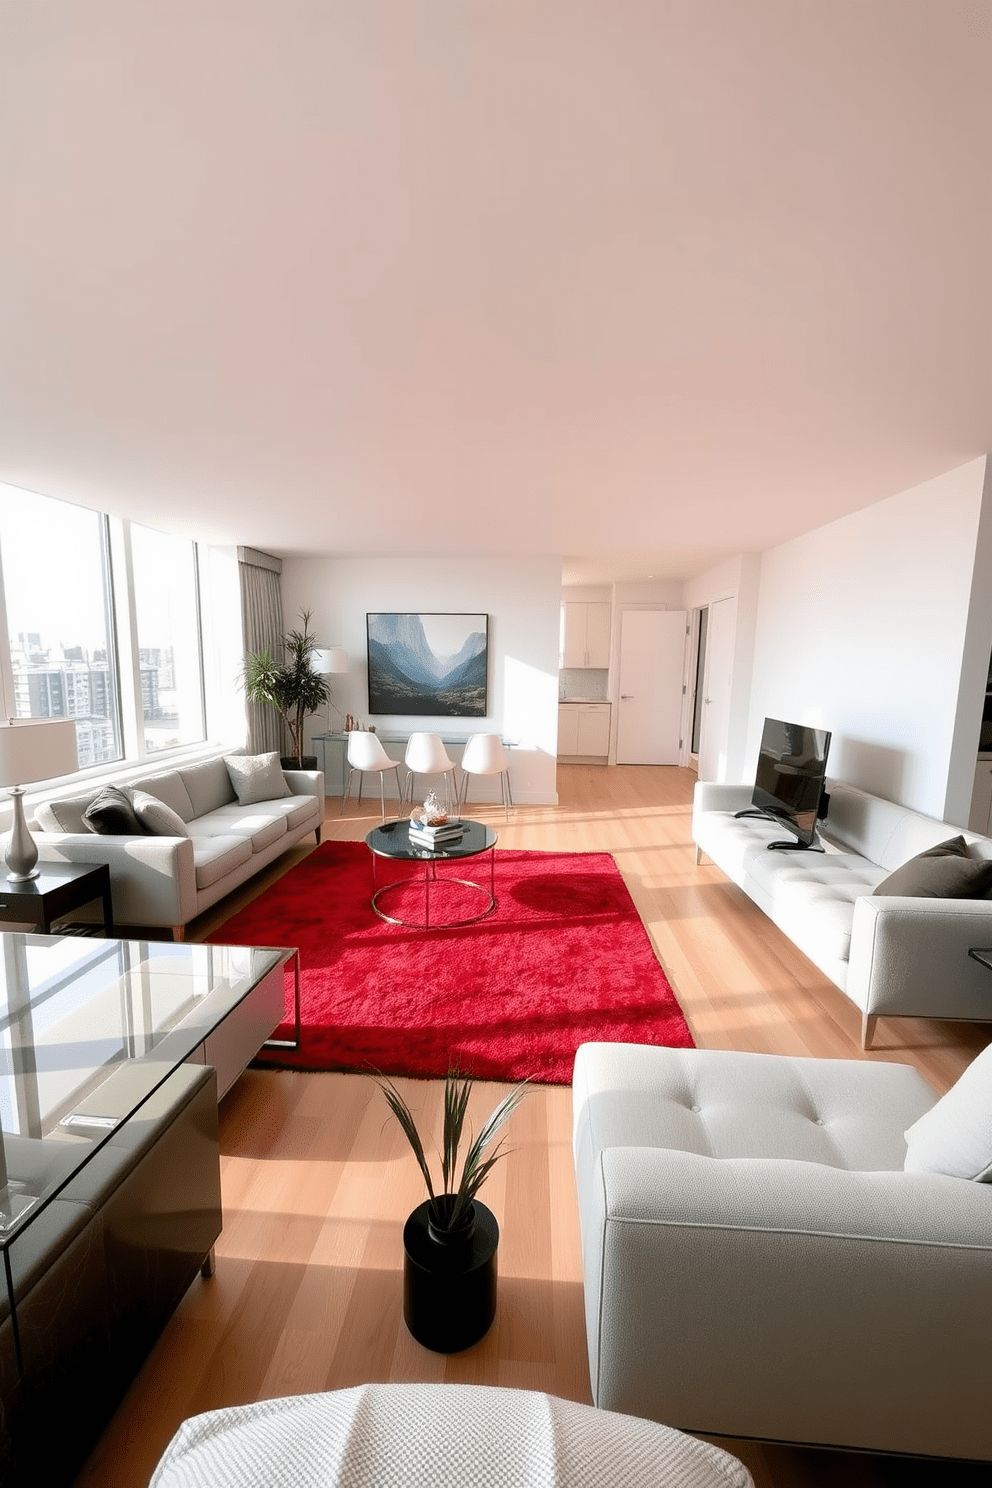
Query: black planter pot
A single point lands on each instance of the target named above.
(449, 1286)
(290, 762)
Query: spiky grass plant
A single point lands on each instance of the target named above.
(449, 1205)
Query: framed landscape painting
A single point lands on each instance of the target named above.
(428, 663)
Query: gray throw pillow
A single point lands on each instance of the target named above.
(955, 1135)
(942, 872)
(256, 777)
(112, 814)
(157, 818)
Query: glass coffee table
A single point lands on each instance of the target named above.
(112, 1057)
(391, 840)
(89, 1031)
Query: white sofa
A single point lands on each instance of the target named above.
(893, 956)
(787, 1248)
(169, 880)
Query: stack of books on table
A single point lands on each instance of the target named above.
(439, 835)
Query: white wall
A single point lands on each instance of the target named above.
(521, 596)
(737, 579)
(878, 627)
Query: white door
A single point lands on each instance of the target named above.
(652, 648)
(717, 675)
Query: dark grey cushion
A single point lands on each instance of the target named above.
(112, 814)
(942, 872)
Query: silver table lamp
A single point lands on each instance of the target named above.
(32, 750)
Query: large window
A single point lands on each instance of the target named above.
(167, 612)
(58, 608)
(100, 623)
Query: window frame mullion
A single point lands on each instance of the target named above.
(126, 640)
(8, 698)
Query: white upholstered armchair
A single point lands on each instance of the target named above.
(766, 1256)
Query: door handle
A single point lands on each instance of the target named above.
(626, 697)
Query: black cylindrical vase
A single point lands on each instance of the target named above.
(449, 1289)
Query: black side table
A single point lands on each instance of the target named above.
(58, 889)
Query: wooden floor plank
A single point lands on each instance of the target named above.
(318, 1180)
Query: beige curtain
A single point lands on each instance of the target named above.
(262, 627)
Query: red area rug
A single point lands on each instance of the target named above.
(563, 959)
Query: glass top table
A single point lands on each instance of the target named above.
(89, 1030)
(392, 840)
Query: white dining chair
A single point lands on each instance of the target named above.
(426, 755)
(366, 756)
(484, 754)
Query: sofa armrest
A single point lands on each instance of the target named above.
(152, 879)
(720, 800)
(910, 957)
(305, 782)
(789, 1300)
(717, 795)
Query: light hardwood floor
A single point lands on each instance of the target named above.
(317, 1179)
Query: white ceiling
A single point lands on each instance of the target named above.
(636, 282)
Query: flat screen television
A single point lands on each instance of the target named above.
(788, 781)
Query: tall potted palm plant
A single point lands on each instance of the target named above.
(292, 687)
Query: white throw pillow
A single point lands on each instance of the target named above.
(256, 777)
(955, 1136)
(157, 818)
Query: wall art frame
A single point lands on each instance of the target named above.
(428, 663)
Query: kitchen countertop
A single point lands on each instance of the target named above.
(583, 700)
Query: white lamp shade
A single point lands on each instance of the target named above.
(328, 659)
(34, 749)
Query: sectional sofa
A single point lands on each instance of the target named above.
(894, 953)
(212, 837)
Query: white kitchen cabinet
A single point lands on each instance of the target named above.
(586, 633)
(583, 730)
(594, 728)
(568, 728)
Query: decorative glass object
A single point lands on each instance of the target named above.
(432, 813)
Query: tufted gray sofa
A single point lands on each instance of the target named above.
(897, 957)
(168, 881)
(757, 1263)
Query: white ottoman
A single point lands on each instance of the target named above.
(438, 1436)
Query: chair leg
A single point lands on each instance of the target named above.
(868, 1021)
(347, 788)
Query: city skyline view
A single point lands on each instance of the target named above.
(60, 624)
